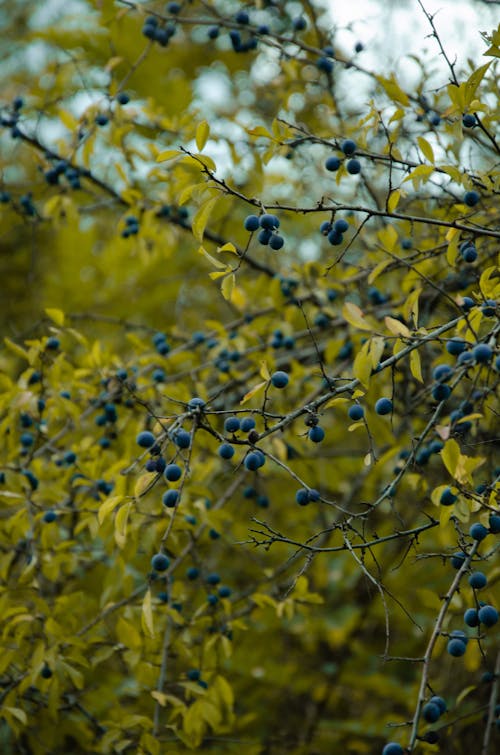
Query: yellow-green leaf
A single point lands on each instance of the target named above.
(252, 392)
(16, 713)
(227, 286)
(362, 367)
(57, 315)
(107, 507)
(393, 200)
(450, 455)
(227, 248)
(378, 269)
(143, 483)
(426, 148)
(168, 154)
(202, 132)
(354, 316)
(215, 262)
(147, 615)
(202, 216)
(393, 90)
(410, 307)
(264, 371)
(121, 520)
(415, 365)
(16, 349)
(396, 327)
(388, 237)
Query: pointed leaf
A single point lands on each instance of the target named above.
(202, 132)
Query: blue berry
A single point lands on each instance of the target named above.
(392, 748)
(488, 615)
(469, 120)
(247, 424)
(182, 439)
(279, 379)
(264, 236)
(46, 672)
(442, 373)
(213, 579)
(478, 580)
(353, 166)
(302, 497)
(356, 412)
(341, 225)
(170, 498)
(158, 375)
(196, 403)
(160, 562)
(332, 163)
(231, 424)
(471, 198)
(49, 517)
(269, 222)
(316, 434)
(252, 461)
(456, 648)
(494, 522)
(145, 439)
(431, 712)
(488, 308)
(383, 406)
(348, 147)
(172, 472)
(276, 242)
(441, 392)
(478, 531)
(192, 573)
(242, 17)
(226, 451)
(471, 617)
(469, 253)
(447, 497)
(251, 223)
(324, 64)
(299, 23)
(335, 238)
(456, 346)
(441, 704)
(465, 357)
(224, 592)
(482, 353)
(458, 559)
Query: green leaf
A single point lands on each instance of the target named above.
(201, 218)
(147, 615)
(107, 507)
(202, 132)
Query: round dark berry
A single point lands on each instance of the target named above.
(160, 562)
(383, 406)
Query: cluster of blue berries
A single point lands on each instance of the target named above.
(334, 231)
(131, 227)
(156, 33)
(161, 344)
(353, 165)
(62, 168)
(268, 225)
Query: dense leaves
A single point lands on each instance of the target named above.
(249, 386)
